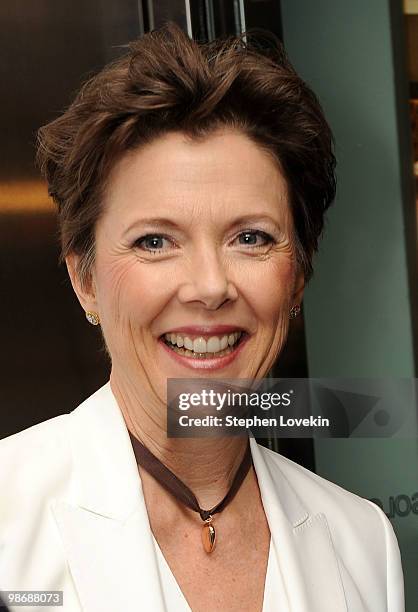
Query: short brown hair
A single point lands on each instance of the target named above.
(168, 82)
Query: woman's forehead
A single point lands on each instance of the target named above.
(225, 167)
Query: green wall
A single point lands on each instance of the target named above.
(358, 306)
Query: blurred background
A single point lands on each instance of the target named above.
(360, 310)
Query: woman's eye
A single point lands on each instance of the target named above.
(151, 242)
(255, 238)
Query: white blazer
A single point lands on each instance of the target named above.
(73, 518)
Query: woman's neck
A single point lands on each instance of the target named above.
(206, 465)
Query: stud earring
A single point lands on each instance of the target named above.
(294, 311)
(92, 317)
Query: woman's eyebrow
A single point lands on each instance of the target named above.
(165, 222)
(155, 222)
(253, 218)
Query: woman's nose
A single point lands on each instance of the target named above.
(207, 283)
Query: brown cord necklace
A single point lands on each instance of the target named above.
(183, 494)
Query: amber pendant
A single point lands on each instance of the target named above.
(208, 535)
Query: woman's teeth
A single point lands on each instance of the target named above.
(203, 347)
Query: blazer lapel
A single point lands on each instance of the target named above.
(104, 526)
(103, 522)
(302, 542)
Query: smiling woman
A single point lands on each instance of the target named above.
(188, 224)
(191, 183)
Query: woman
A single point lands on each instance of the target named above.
(191, 183)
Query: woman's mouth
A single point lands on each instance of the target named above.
(203, 348)
(204, 352)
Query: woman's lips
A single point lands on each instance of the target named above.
(207, 363)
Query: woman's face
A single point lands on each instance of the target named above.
(194, 249)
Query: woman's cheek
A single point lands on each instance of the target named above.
(272, 290)
(114, 284)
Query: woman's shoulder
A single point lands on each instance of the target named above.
(348, 515)
(315, 491)
(32, 463)
(360, 533)
(33, 442)
(39, 442)
(45, 462)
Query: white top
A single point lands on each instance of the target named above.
(82, 525)
(274, 592)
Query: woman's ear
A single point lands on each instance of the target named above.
(83, 288)
(299, 288)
